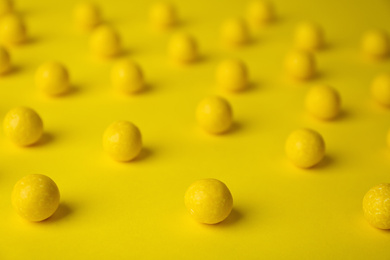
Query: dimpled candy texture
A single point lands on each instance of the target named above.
(376, 206)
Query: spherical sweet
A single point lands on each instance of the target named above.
(105, 42)
(323, 102)
(127, 77)
(5, 61)
(183, 48)
(232, 75)
(23, 126)
(305, 148)
(235, 32)
(209, 201)
(35, 197)
(376, 44)
(300, 65)
(260, 12)
(87, 15)
(214, 114)
(162, 15)
(376, 206)
(6, 7)
(52, 78)
(309, 36)
(380, 89)
(122, 141)
(12, 30)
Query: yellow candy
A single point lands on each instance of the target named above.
(183, 48)
(376, 44)
(208, 201)
(214, 114)
(235, 32)
(260, 12)
(23, 126)
(52, 78)
(309, 36)
(5, 61)
(35, 197)
(87, 15)
(6, 6)
(300, 65)
(163, 15)
(232, 75)
(323, 102)
(12, 30)
(127, 77)
(105, 42)
(380, 89)
(122, 141)
(376, 206)
(305, 148)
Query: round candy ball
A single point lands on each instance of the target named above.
(232, 75)
(183, 48)
(305, 148)
(323, 102)
(162, 15)
(87, 15)
(105, 42)
(214, 114)
(12, 30)
(380, 89)
(122, 141)
(300, 65)
(209, 201)
(35, 197)
(52, 78)
(23, 126)
(5, 61)
(376, 206)
(6, 7)
(376, 44)
(127, 77)
(260, 12)
(235, 32)
(309, 36)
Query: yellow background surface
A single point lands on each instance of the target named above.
(135, 210)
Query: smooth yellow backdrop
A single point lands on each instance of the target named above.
(112, 210)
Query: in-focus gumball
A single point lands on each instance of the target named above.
(12, 30)
(23, 126)
(260, 12)
(6, 7)
(52, 78)
(35, 197)
(235, 32)
(87, 15)
(214, 114)
(232, 75)
(105, 42)
(208, 201)
(380, 89)
(163, 15)
(376, 206)
(323, 102)
(5, 61)
(122, 140)
(300, 65)
(305, 148)
(376, 44)
(309, 36)
(183, 48)
(127, 77)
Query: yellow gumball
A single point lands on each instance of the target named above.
(376, 44)
(305, 148)
(127, 77)
(209, 201)
(12, 30)
(214, 114)
(380, 89)
(323, 102)
(376, 206)
(163, 15)
(35, 197)
(87, 15)
(52, 78)
(122, 141)
(232, 75)
(5, 61)
(23, 126)
(309, 36)
(183, 48)
(260, 12)
(235, 32)
(300, 65)
(105, 42)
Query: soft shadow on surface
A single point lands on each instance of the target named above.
(63, 211)
(325, 163)
(234, 128)
(144, 154)
(46, 138)
(13, 70)
(234, 217)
